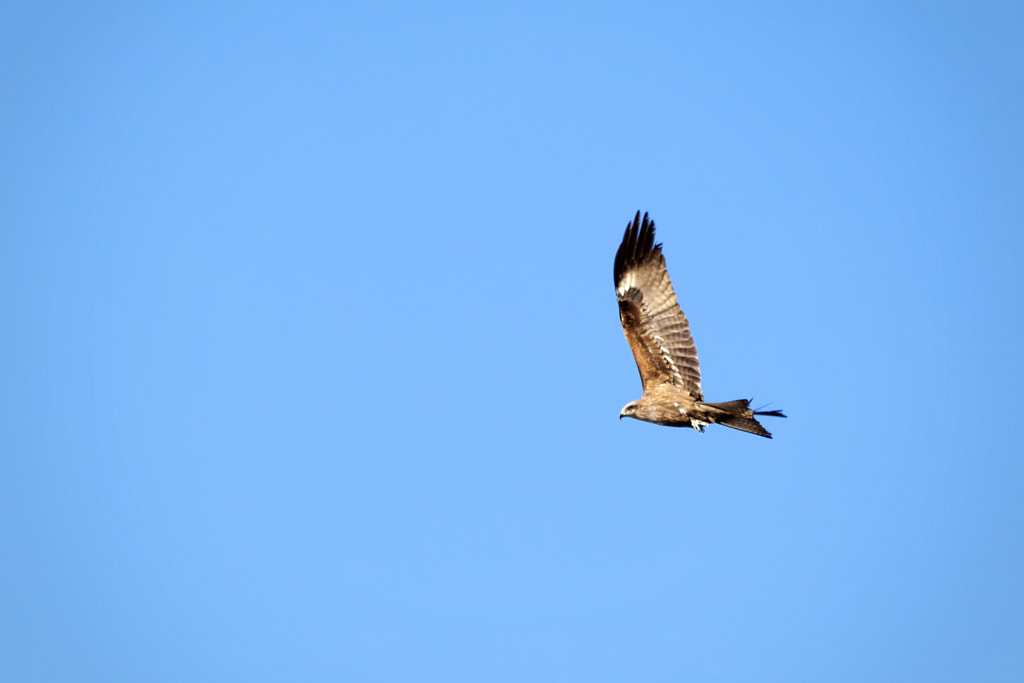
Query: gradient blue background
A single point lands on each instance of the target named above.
(311, 362)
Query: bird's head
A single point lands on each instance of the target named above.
(629, 410)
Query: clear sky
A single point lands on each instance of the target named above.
(311, 362)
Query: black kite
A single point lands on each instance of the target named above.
(659, 335)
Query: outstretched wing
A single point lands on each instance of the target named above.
(655, 326)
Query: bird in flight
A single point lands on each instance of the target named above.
(659, 336)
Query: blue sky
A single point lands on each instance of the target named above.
(312, 362)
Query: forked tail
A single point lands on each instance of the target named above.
(738, 415)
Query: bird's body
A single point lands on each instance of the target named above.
(659, 336)
(665, 404)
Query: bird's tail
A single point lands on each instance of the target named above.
(738, 415)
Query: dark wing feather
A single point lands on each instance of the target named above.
(655, 326)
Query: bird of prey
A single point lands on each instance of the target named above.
(659, 335)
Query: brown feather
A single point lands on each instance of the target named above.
(654, 325)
